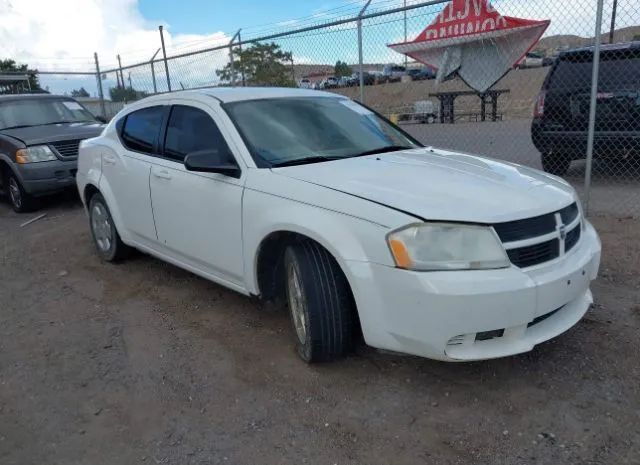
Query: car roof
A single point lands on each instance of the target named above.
(603, 48)
(236, 94)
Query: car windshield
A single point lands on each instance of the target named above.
(283, 130)
(39, 112)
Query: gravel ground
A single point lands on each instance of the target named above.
(142, 362)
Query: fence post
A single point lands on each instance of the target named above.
(231, 63)
(153, 72)
(592, 106)
(364, 8)
(164, 55)
(241, 64)
(99, 79)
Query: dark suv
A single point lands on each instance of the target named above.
(561, 114)
(39, 139)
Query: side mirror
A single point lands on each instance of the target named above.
(101, 119)
(212, 161)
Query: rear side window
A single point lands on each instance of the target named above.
(141, 128)
(619, 70)
(192, 130)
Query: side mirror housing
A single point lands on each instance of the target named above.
(212, 161)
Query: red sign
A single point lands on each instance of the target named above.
(466, 17)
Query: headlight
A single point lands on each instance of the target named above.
(35, 154)
(447, 246)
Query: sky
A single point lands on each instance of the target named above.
(64, 34)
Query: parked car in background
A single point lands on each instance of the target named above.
(561, 113)
(304, 83)
(369, 79)
(39, 138)
(312, 198)
(393, 73)
(530, 60)
(330, 83)
(347, 81)
(421, 74)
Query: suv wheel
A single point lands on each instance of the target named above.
(20, 200)
(320, 302)
(103, 230)
(556, 163)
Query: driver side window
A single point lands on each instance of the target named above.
(192, 130)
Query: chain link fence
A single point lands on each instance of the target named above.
(544, 113)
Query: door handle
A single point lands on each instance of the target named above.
(109, 160)
(164, 174)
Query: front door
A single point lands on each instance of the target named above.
(197, 215)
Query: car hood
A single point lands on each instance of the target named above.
(441, 185)
(54, 132)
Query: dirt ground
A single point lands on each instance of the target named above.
(144, 363)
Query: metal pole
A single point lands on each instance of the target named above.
(613, 20)
(99, 78)
(164, 56)
(244, 82)
(153, 72)
(592, 106)
(360, 59)
(231, 63)
(406, 57)
(121, 81)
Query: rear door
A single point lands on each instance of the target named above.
(126, 170)
(569, 89)
(197, 215)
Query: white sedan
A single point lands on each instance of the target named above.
(312, 198)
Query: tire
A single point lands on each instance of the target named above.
(20, 200)
(431, 119)
(556, 163)
(108, 244)
(320, 303)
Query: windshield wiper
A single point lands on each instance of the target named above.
(388, 148)
(304, 161)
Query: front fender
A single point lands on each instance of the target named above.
(347, 238)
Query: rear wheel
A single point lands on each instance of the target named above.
(320, 302)
(103, 230)
(556, 163)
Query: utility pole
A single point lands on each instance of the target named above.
(153, 72)
(360, 59)
(164, 56)
(613, 20)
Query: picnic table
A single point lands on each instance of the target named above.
(447, 103)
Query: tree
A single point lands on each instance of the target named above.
(9, 66)
(81, 92)
(262, 65)
(125, 94)
(342, 69)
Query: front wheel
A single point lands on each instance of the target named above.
(320, 302)
(556, 163)
(103, 230)
(20, 200)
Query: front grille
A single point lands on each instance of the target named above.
(529, 229)
(526, 229)
(66, 148)
(572, 238)
(534, 254)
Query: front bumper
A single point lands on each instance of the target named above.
(474, 315)
(47, 177)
